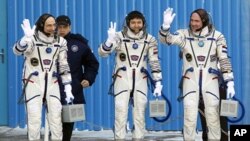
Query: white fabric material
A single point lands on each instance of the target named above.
(25, 40)
(28, 31)
(158, 89)
(111, 34)
(132, 80)
(228, 76)
(168, 17)
(68, 90)
(121, 111)
(137, 36)
(230, 89)
(51, 54)
(199, 81)
(45, 38)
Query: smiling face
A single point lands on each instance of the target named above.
(195, 22)
(50, 26)
(136, 25)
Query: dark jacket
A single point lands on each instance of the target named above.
(83, 65)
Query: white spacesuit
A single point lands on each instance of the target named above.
(133, 52)
(44, 56)
(201, 52)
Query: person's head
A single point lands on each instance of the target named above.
(135, 21)
(46, 24)
(199, 19)
(63, 25)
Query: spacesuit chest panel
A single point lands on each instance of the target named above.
(44, 56)
(200, 51)
(133, 53)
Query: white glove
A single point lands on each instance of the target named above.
(158, 88)
(168, 17)
(230, 89)
(111, 34)
(67, 89)
(24, 41)
(28, 32)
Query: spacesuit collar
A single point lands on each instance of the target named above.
(202, 33)
(137, 36)
(43, 38)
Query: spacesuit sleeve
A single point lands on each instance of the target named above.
(23, 50)
(105, 51)
(178, 38)
(225, 64)
(154, 61)
(64, 69)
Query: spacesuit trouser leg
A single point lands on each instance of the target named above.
(140, 103)
(212, 118)
(190, 116)
(121, 115)
(34, 110)
(190, 119)
(54, 115)
(223, 120)
(34, 114)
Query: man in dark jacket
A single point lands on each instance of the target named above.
(83, 66)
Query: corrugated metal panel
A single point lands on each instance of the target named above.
(91, 18)
(241, 46)
(3, 64)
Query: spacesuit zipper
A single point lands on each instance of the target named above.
(201, 99)
(45, 88)
(200, 82)
(133, 88)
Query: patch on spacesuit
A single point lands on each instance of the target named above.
(122, 56)
(213, 58)
(46, 62)
(74, 48)
(48, 50)
(135, 46)
(201, 58)
(188, 57)
(34, 61)
(134, 57)
(201, 43)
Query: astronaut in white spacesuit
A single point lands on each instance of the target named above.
(45, 56)
(134, 49)
(202, 48)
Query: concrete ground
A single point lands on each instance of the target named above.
(18, 134)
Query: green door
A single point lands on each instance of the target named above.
(3, 64)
